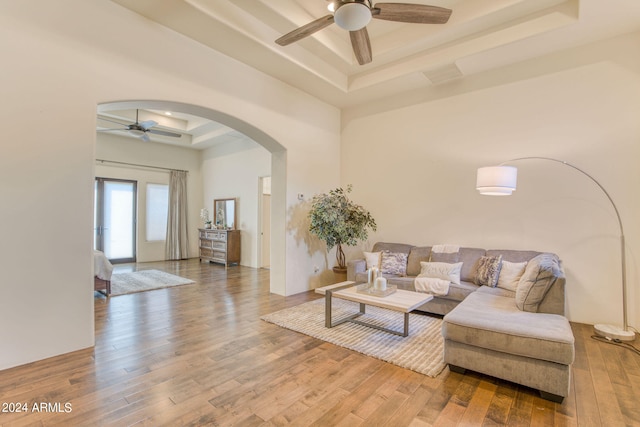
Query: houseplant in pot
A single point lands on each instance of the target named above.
(338, 221)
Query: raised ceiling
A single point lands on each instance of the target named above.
(481, 35)
(195, 132)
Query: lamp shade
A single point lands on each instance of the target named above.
(497, 180)
(352, 16)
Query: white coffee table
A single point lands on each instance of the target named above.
(401, 301)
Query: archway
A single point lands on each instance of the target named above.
(278, 171)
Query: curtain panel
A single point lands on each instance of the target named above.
(177, 244)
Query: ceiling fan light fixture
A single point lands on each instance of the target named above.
(352, 16)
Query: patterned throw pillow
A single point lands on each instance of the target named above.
(394, 263)
(489, 270)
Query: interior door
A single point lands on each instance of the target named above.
(115, 219)
(265, 222)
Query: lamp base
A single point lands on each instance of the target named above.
(614, 332)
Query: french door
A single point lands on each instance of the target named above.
(115, 219)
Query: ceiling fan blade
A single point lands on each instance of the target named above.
(111, 130)
(361, 45)
(111, 121)
(164, 133)
(147, 124)
(411, 13)
(305, 30)
(144, 137)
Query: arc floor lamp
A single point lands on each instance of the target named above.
(501, 181)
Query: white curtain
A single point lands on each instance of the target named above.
(177, 246)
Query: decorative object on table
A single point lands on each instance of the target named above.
(144, 280)
(372, 274)
(501, 181)
(204, 216)
(338, 221)
(380, 284)
(371, 290)
(421, 351)
(376, 284)
(225, 214)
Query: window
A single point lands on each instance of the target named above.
(157, 208)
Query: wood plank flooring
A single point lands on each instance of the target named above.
(200, 355)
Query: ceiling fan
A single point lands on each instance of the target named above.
(140, 129)
(354, 15)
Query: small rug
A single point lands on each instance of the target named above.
(421, 351)
(144, 280)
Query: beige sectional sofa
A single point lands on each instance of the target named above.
(518, 335)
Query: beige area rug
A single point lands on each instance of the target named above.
(144, 280)
(421, 351)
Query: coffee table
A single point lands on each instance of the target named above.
(401, 301)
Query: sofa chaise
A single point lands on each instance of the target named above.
(516, 331)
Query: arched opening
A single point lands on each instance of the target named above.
(278, 171)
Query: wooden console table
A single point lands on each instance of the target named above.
(222, 246)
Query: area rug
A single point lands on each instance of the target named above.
(421, 351)
(144, 280)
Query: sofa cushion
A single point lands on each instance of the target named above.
(494, 322)
(469, 258)
(539, 275)
(459, 291)
(392, 247)
(417, 254)
(448, 257)
(512, 255)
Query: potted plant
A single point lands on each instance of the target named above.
(204, 216)
(339, 221)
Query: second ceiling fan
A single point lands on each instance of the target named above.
(354, 15)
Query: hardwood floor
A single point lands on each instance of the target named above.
(200, 355)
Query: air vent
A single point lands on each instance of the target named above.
(443, 74)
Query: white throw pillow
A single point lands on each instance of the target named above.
(442, 270)
(373, 259)
(510, 274)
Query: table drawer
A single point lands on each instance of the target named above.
(216, 235)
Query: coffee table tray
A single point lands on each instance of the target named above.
(369, 290)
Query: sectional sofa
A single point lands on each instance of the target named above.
(512, 329)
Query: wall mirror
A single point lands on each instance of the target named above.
(224, 213)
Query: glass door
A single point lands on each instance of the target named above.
(115, 219)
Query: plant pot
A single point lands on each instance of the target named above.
(340, 274)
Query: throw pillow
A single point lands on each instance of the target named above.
(394, 263)
(510, 274)
(441, 270)
(488, 270)
(373, 259)
(539, 275)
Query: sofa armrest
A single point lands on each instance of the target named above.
(355, 266)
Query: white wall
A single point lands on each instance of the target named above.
(414, 167)
(131, 150)
(58, 69)
(232, 170)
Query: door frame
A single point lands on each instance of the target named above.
(99, 217)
